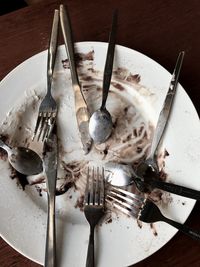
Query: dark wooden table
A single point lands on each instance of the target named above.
(159, 29)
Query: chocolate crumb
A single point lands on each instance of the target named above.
(109, 220)
(39, 190)
(135, 132)
(139, 223)
(115, 123)
(118, 86)
(139, 149)
(134, 78)
(154, 229)
(126, 110)
(3, 154)
(79, 203)
(166, 153)
(4, 138)
(21, 178)
(98, 88)
(64, 188)
(163, 175)
(105, 151)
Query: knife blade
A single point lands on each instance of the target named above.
(50, 166)
(82, 114)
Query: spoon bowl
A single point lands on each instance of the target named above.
(118, 174)
(100, 126)
(23, 160)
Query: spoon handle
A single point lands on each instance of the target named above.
(4, 146)
(175, 189)
(167, 106)
(109, 60)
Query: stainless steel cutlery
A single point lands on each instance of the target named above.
(93, 207)
(48, 107)
(143, 209)
(50, 167)
(151, 160)
(81, 110)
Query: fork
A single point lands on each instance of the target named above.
(143, 209)
(93, 207)
(48, 107)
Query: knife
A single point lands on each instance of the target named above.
(82, 114)
(50, 167)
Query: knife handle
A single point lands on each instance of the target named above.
(50, 253)
(68, 40)
(67, 35)
(167, 106)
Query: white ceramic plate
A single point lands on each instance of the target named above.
(120, 242)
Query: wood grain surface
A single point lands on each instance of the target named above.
(159, 29)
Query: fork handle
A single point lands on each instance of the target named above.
(50, 253)
(175, 189)
(184, 229)
(52, 49)
(90, 252)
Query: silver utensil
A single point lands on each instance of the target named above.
(100, 125)
(93, 208)
(48, 108)
(162, 120)
(23, 160)
(144, 210)
(50, 167)
(122, 175)
(82, 114)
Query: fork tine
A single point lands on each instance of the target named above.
(43, 118)
(93, 209)
(46, 125)
(86, 198)
(51, 123)
(91, 189)
(127, 193)
(125, 201)
(102, 190)
(45, 122)
(45, 128)
(97, 191)
(37, 126)
(121, 206)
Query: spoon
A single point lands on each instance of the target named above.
(100, 125)
(24, 160)
(162, 120)
(119, 174)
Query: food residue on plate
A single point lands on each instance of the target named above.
(129, 142)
